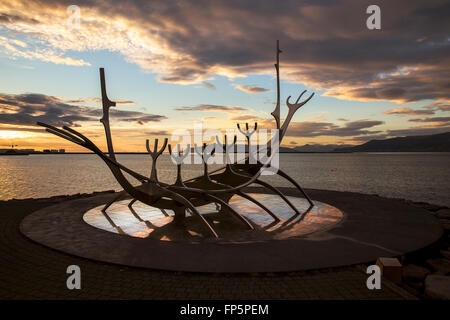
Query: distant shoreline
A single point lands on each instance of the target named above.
(427, 143)
(287, 152)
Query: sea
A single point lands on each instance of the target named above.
(416, 176)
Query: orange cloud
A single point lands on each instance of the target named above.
(212, 108)
(402, 111)
(179, 42)
(251, 89)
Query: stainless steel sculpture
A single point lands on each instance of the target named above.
(217, 186)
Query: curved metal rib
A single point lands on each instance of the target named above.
(135, 214)
(287, 177)
(267, 185)
(88, 144)
(110, 202)
(179, 198)
(113, 224)
(130, 204)
(282, 196)
(246, 196)
(232, 210)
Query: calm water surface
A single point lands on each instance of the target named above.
(415, 176)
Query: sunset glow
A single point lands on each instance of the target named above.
(168, 66)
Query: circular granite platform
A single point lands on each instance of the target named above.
(343, 228)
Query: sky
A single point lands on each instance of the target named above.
(170, 64)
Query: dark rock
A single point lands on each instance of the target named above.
(427, 206)
(414, 291)
(437, 287)
(445, 224)
(445, 254)
(417, 286)
(440, 266)
(414, 273)
(443, 213)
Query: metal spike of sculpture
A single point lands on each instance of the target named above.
(215, 187)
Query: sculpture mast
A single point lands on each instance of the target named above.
(105, 119)
(276, 112)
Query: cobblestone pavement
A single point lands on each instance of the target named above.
(31, 271)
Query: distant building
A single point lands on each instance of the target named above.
(53, 151)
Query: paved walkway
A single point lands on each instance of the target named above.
(31, 271)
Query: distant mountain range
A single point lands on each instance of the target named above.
(305, 148)
(426, 143)
(320, 147)
(431, 143)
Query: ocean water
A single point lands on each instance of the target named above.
(415, 176)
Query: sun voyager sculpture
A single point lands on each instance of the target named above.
(215, 187)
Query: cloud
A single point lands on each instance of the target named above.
(29, 108)
(437, 106)
(417, 131)
(246, 117)
(47, 55)
(268, 123)
(15, 128)
(316, 118)
(138, 117)
(401, 111)
(211, 108)
(365, 138)
(96, 100)
(251, 89)
(157, 132)
(8, 19)
(433, 119)
(316, 129)
(208, 85)
(419, 84)
(325, 45)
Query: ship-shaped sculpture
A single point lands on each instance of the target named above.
(216, 187)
